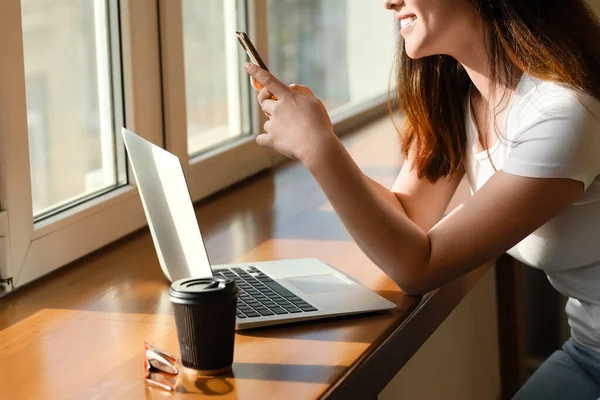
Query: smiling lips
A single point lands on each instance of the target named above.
(405, 21)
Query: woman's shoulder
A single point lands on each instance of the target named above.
(537, 99)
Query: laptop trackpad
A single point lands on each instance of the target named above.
(320, 284)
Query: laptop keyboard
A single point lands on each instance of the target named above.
(261, 295)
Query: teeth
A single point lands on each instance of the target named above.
(406, 21)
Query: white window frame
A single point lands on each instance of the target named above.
(228, 164)
(153, 86)
(33, 250)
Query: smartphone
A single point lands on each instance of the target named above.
(250, 50)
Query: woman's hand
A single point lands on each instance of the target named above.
(264, 93)
(299, 126)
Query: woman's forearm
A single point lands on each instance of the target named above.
(391, 199)
(387, 195)
(384, 232)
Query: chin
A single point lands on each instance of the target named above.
(416, 52)
(413, 53)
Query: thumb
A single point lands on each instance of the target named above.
(302, 89)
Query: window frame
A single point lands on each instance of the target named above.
(153, 102)
(229, 163)
(34, 249)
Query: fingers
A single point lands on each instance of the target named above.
(264, 95)
(273, 84)
(267, 126)
(264, 140)
(268, 106)
(256, 84)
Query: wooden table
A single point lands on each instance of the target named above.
(78, 334)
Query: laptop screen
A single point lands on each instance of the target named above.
(168, 207)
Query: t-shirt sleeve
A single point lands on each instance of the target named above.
(559, 142)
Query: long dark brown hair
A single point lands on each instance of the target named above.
(552, 40)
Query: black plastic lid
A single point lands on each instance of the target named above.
(195, 290)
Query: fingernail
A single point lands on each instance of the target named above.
(247, 66)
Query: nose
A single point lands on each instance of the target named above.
(392, 4)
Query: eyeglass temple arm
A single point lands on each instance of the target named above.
(169, 357)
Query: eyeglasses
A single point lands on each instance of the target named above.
(160, 364)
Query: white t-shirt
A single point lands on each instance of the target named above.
(550, 134)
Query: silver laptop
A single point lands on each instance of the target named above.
(271, 292)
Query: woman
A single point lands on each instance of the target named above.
(506, 92)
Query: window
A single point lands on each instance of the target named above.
(66, 72)
(69, 93)
(216, 111)
(73, 72)
(341, 49)
(210, 120)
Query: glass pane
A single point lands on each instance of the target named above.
(215, 104)
(342, 49)
(69, 106)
